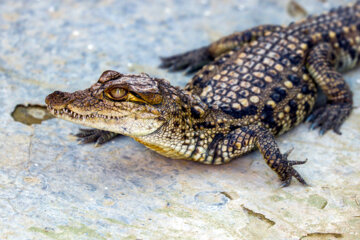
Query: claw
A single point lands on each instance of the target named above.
(330, 117)
(285, 183)
(190, 70)
(292, 163)
(310, 118)
(163, 63)
(298, 177)
(189, 61)
(291, 172)
(313, 126)
(286, 170)
(96, 136)
(288, 152)
(337, 129)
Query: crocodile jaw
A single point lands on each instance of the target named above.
(126, 120)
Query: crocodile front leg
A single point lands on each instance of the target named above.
(244, 139)
(278, 162)
(95, 136)
(195, 59)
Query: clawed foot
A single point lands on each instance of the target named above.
(189, 61)
(286, 170)
(94, 136)
(331, 116)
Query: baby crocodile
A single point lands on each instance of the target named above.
(253, 85)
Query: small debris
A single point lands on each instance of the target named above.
(296, 10)
(258, 215)
(31, 114)
(230, 195)
(32, 180)
(319, 235)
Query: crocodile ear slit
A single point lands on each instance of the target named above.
(109, 75)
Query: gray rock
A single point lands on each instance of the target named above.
(53, 188)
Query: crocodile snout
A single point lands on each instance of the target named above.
(58, 100)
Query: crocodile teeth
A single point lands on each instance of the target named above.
(72, 114)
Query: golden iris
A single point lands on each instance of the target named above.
(117, 93)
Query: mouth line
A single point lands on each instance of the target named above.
(77, 116)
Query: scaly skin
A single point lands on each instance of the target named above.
(257, 84)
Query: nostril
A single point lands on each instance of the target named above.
(59, 94)
(58, 99)
(56, 92)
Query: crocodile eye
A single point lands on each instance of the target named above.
(117, 93)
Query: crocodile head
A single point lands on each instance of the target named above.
(128, 104)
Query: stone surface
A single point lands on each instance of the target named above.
(53, 188)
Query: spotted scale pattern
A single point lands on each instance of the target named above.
(238, 82)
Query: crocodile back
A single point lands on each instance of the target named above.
(266, 81)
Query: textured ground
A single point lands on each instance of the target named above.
(53, 188)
